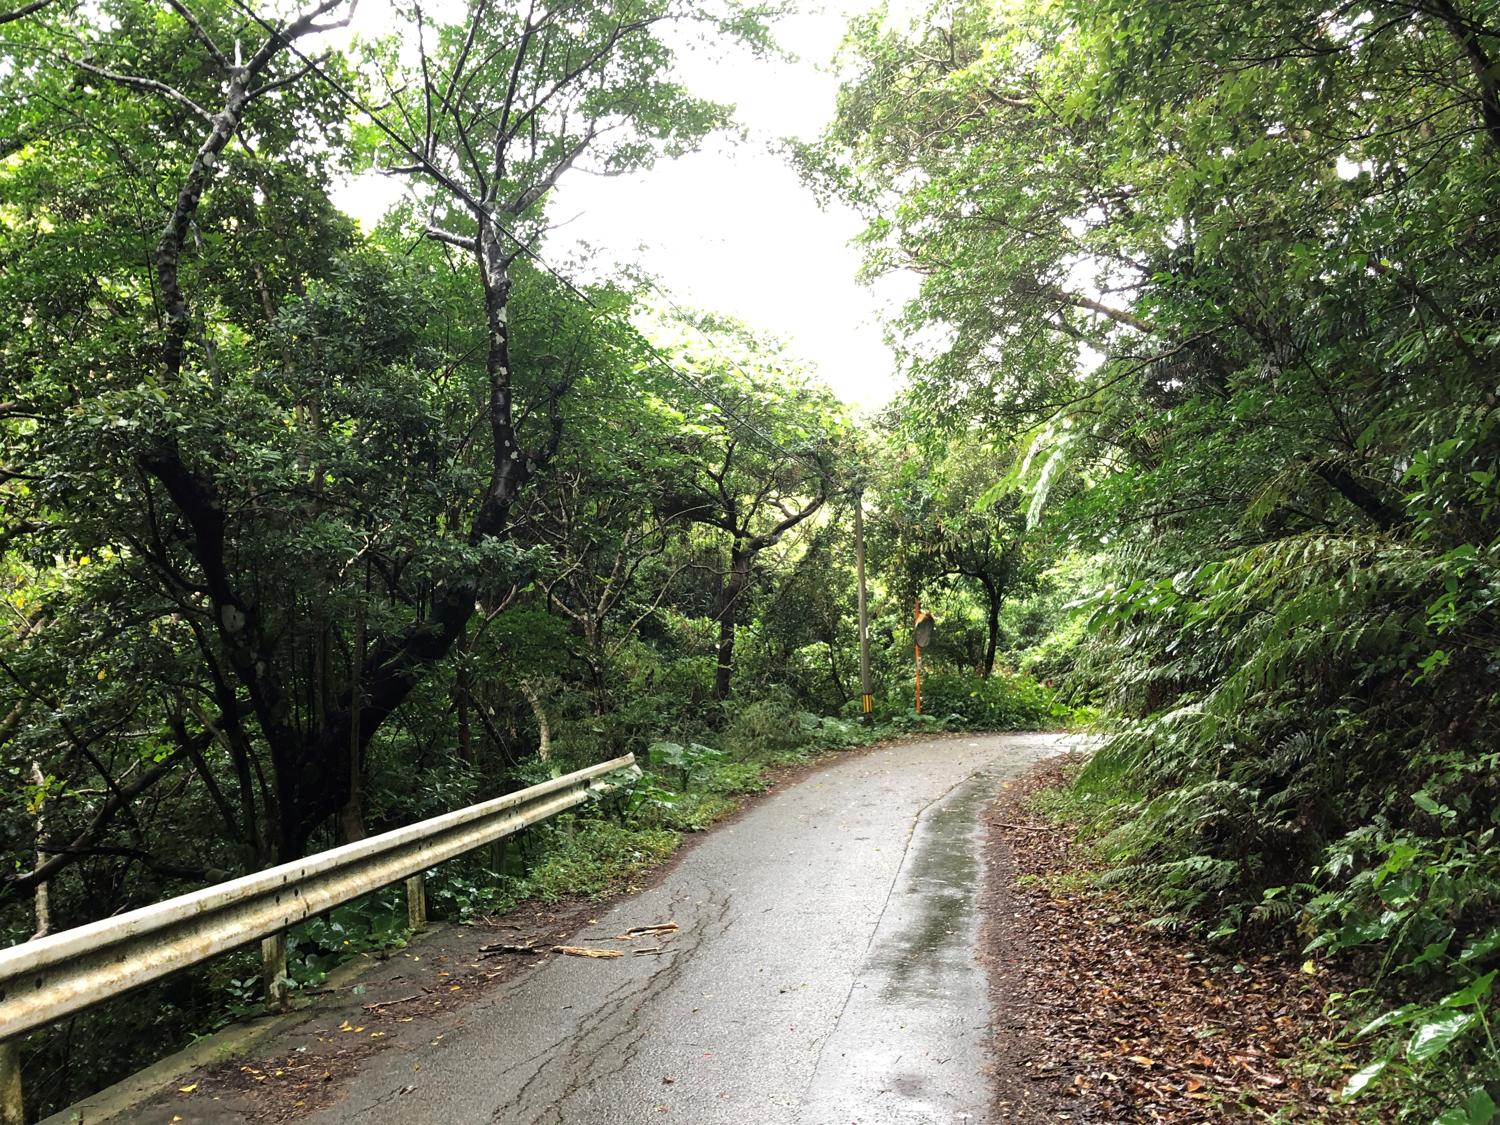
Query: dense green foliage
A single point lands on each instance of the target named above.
(1227, 272)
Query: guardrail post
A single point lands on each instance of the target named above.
(273, 972)
(416, 902)
(12, 1104)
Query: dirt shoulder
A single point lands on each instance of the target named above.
(1099, 1019)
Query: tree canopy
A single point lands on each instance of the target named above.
(310, 528)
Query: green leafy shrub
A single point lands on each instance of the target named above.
(691, 764)
(1003, 701)
(596, 857)
(377, 921)
(734, 778)
(767, 730)
(694, 812)
(464, 889)
(828, 732)
(1318, 763)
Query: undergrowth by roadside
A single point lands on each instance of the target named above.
(1401, 916)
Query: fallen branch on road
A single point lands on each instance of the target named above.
(537, 950)
(585, 951)
(651, 931)
(390, 1003)
(506, 947)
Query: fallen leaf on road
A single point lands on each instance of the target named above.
(1097, 986)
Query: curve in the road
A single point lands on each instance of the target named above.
(824, 973)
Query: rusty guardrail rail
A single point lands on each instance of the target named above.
(45, 980)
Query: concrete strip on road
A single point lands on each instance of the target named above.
(824, 973)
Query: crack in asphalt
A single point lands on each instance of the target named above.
(576, 1058)
(707, 929)
(565, 1049)
(388, 1096)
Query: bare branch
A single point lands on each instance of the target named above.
(1467, 33)
(66, 855)
(437, 234)
(463, 55)
(24, 10)
(1119, 316)
(292, 79)
(549, 181)
(140, 83)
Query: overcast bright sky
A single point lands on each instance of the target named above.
(731, 228)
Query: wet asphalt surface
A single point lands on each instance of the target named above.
(824, 973)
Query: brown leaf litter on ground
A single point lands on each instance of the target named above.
(1099, 1019)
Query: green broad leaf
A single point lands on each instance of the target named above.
(1482, 947)
(1481, 1107)
(1435, 1036)
(1471, 993)
(1478, 1109)
(1430, 953)
(1425, 802)
(1393, 1018)
(1360, 1081)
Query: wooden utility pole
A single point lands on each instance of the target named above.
(867, 703)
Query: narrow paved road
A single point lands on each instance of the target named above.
(824, 974)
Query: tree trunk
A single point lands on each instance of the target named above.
(352, 815)
(544, 731)
(41, 896)
(833, 667)
(992, 638)
(317, 769)
(593, 635)
(729, 608)
(465, 733)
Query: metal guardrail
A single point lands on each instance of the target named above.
(45, 980)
